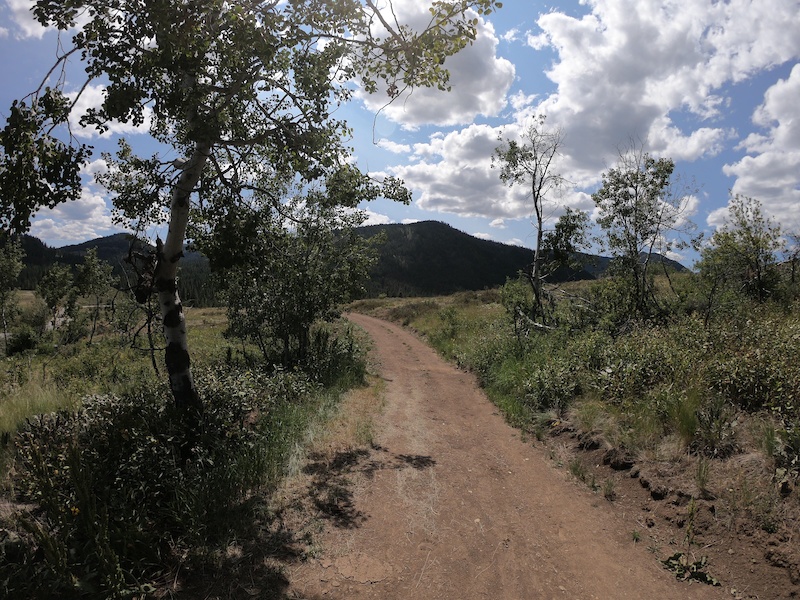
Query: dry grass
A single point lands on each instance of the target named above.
(353, 424)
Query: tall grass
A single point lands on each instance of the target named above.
(34, 397)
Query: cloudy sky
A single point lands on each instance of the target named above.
(712, 84)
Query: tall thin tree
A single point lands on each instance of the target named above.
(532, 163)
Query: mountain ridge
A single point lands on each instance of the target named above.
(424, 258)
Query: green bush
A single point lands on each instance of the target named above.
(22, 340)
(408, 311)
(551, 386)
(120, 494)
(335, 359)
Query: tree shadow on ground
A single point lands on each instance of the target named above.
(269, 540)
(331, 487)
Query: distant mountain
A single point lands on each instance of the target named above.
(418, 259)
(111, 249)
(194, 284)
(431, 258)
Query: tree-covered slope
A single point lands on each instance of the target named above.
(431, 258)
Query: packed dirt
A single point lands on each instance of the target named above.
(450, 502)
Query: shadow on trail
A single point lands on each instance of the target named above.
(331, 489)
(252, 564)
(269, 540)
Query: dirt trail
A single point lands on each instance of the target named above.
(452, 504)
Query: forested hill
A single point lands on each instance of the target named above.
(194, 283)
(430, 258)
(418, 259)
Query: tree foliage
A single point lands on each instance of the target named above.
(743, 253)
(532, 163)
(640, 211)
(11, 255)
(281, 271)
(238, 91)
(57, 290)
(93, 280)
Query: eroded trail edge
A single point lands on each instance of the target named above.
(451, 503)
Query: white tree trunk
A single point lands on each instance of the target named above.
(166, 283)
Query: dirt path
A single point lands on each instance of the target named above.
(451, 504)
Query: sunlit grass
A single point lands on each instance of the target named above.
(36, 396)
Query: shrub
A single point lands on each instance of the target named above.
(335, 359)
(550, 386)
(118, 499)
(408, 311)
(22, 340)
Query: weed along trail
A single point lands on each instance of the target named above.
(450, 503)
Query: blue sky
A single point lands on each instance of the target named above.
(713, 84)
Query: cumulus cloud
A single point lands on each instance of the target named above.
(26, 24)
(770, 171)
(393, 147)
(655, 71)
(96, 167)
(454, 174)
(373, 218)
(627, 66)
(83, 219)
(512, 35)
(92, 97)
(478, 77)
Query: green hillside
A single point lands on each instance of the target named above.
(432, 258)
(427, 258)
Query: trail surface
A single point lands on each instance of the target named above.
(452, 504)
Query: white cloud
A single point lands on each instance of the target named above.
(454, 174)
(628, 65)
(393, 146)
(92, 97)
(771, 170)
(512, 35)
(409, 221)
(479, 81)
(717, 218)
(83, 219)
(96, 167)
(498, 224)
(26, 23)
(373, 218)
(482, 236)
(3, 32)
(667, 140)
(659, 71)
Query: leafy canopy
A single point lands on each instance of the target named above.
(743, 253)
(251, 83)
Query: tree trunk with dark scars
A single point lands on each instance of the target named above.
(177, 359)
